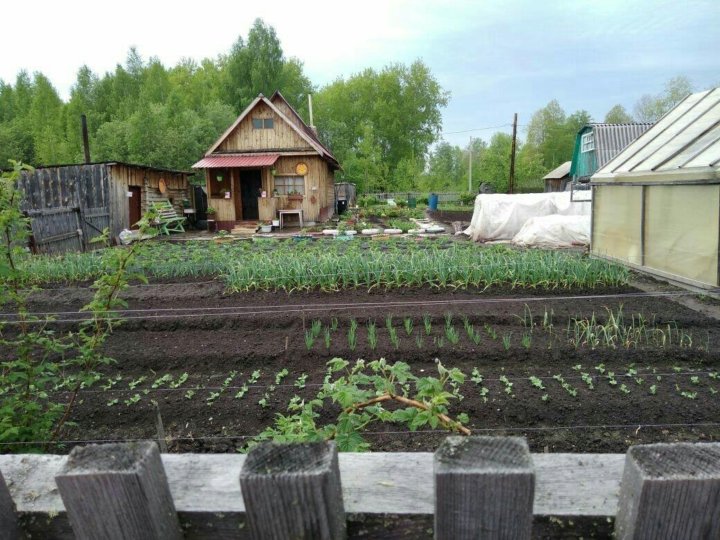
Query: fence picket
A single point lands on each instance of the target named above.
(9, 528)
(293, 491)
(670, 491)
(484, 488)
(116, 491)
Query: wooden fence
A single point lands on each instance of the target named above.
(474, 487)
(68, 206)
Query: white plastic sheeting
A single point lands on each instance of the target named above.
(554, 231)
(501, 217)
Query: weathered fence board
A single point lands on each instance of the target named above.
(205, 485)
(492, 485)
(68, 206)
(293, 491)
(118, 491)
(484, 487)
(670, 491)
(8, 517)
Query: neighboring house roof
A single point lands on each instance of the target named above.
(686, 141)
(560, 172)
(609, 141)
(125, 163)
(236, 160)
(310, 138)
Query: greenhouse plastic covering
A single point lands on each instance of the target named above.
(554, 231)
(501, 217)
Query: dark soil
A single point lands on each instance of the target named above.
(265, 331)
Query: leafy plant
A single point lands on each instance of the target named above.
(408, 324)
(362, 390)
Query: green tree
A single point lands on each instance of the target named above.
(618, 115)
(494, 167)
(650, 108)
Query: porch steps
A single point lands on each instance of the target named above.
(244, 228)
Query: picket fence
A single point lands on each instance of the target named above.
(472, 487)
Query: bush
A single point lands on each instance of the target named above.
(367, 200)
(402, 204)
(467, 198)
(423, 200)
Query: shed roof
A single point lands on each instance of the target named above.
(560, 172)
(685, 141)
(125, 163)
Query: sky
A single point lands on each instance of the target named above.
(495, 58)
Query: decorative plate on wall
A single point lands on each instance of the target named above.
(301, 169)
(162, 186)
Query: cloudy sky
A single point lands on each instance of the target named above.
(495, 57)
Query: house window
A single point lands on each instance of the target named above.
(219, 182)
(587, 142)
(262, 123)
(290, 185)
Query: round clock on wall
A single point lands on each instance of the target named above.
(301, 169)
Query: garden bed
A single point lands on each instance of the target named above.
(194, 359)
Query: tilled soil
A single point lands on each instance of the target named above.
(660, 393)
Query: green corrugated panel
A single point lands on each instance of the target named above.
(584, 164)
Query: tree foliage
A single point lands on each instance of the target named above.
(650, 108)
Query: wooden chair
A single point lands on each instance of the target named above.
(168, 220)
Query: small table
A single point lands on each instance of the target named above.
(298, 213)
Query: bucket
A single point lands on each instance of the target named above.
(412, 202)
(433, 201)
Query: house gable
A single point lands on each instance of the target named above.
(244, 137)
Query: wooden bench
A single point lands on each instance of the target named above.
(168, 221)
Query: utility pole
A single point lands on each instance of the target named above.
(470, 168)
(511, 183)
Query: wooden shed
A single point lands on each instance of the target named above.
(269, 160)
(656, 205)
(69, 205)
(556, 179)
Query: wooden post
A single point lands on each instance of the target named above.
(670, 491)
(511, 183)
(484, 488)
(293, 491)
(116, 491)
(9, 529)
(86, 144)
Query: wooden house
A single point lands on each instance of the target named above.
(269, 160)
(596, 144)
(69, 205)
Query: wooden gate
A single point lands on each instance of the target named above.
(68, 206)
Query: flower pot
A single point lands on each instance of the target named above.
(266, 228)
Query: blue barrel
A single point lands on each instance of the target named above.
(433, 201)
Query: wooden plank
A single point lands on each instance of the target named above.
(670, 491)
(484, 487)
(52, 211)
(9, 529)
(117, 491)
(293, 491)
(372, 483)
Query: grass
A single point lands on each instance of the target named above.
(275, 265)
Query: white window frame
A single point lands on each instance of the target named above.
(290, 182)
(587, 142)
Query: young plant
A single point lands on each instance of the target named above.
(352, 334)
(506, 341)
(309, 339)
(300, 382)
(508, 385)
(280, 375)
(362, 391)
(537, 382)
(452, 335)
(427, 323)
(394, 339)
(327, 338)
(372, 335)
(408, 324)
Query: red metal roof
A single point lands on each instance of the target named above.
(236, 160)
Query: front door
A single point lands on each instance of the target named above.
(134, 204)
(250, 189)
